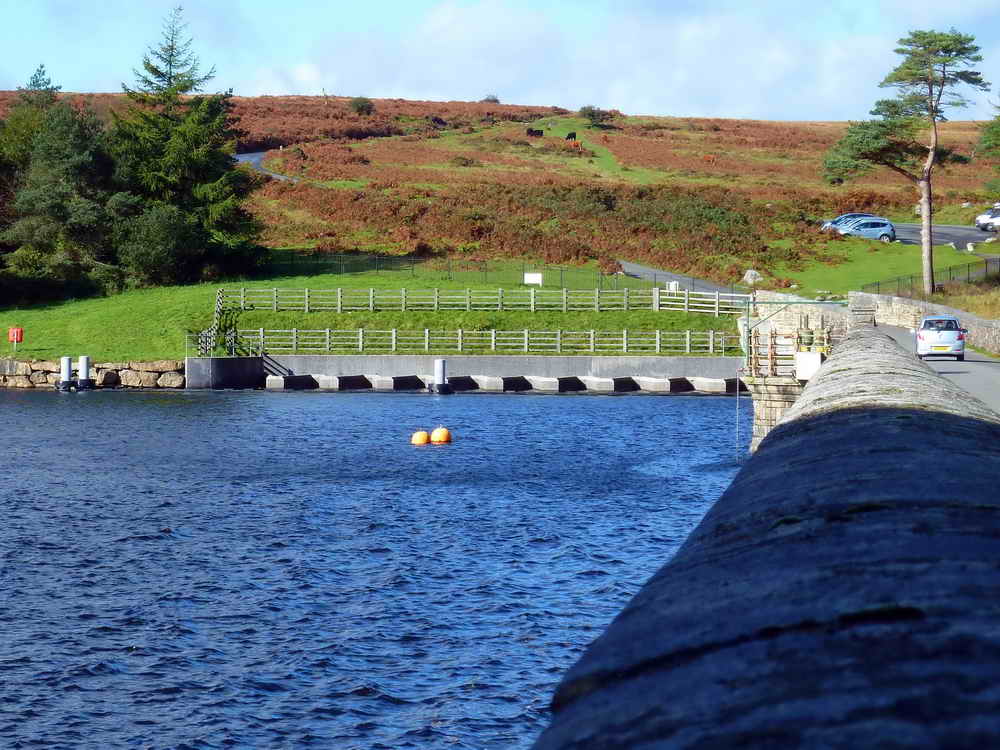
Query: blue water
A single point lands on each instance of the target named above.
(258, 570)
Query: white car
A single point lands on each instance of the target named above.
(989, 221)
(940, 335)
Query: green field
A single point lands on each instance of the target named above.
(864, 261)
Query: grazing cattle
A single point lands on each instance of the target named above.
(535, 133)
(571, 136)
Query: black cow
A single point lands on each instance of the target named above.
(571, 136)
(535, 133)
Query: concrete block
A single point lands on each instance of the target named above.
(555, 385)
(461, 383)
(709, 385)
(663, 385)
(489, 383)
(515, 383)
(353, 383)
(327, 382)
(275, 383)
(290, 383)
(609, 385)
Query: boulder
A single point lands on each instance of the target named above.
(19, 381)
(160, 365)
(21, 368)
(112, 366)
(130, 378)
(45, 366)
(752, 277)
(52, 378)
(106, 378)
(170, 380)
(39, 377)
(148, 379)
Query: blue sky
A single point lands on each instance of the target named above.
(771, 59)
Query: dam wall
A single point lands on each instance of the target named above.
(843, 592)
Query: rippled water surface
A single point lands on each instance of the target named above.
(254, 570)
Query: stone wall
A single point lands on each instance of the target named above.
(906, 313)
(806, 314)
(164, 373)
(843, 591)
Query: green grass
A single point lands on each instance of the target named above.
(865, 261)
(152, 323)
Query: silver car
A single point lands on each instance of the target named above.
(940, 335)
(872, 227)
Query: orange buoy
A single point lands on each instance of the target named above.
(441, 435)
(420, 437)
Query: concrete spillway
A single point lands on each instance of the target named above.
(843, 592)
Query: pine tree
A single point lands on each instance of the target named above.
(171, 69)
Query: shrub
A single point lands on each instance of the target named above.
(362, 105)
(595, 115)
(491, 99)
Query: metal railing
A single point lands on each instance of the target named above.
(912, 285)
(261, 341)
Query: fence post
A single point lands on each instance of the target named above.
(468, 299)
(371, 299)
(625, 298)
(403, 297)
(427, 339)
(658, 340)
(274, 299)
(656, 300)
(716, 303)
(328, 339)
(559, 340)
(295, 339)
(436, 298)
(625, 340)
(307, 299)
(711, 342)
(460, 339)
(340, 299)
(565, 300)
(687, 295)
(687, 341)
(262, 342)
(493, 339)
(525, 340)
(393, 339)
(593, 341)
(532, 297)
(243, 298)
(500, 299)
(597, 300)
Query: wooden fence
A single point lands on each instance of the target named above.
(461, 341)
(533, 300)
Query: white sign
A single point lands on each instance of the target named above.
(533, 278)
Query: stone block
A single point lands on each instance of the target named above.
(159, 365)
(52, 378)
(106, 378)
(112, 366)
(45, 365)
(39, 377)
(708, 385)
(170, 380)
(663, 385)
(489, 383)
(19, 381)
(130, 378)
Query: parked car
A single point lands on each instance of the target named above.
(940, 335)
(872, 227)
(989, 221)
(840, 221)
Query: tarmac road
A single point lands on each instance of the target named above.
(979, 374)
(943, 233)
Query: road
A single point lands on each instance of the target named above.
(979, 374)
(943, 233)
(255, 160)
(686, 282)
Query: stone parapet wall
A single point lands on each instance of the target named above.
(772, 397)
(906, 313)
(842, 592)
(805, 314)
(163, 373)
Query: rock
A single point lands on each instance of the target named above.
(45, 366)
(106, 378)
(21, 368)
(19, 381)
(794, 286)
(967, 205)
(52, 378)
(170, 380)
(130, 378)
(112, 366)
(39, 377)
(160, 365)
(752, 277)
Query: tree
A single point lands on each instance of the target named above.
(176, 175)
(596, 116)
(934, 65)
(25, 119)
(61, 229)
(491, 99)
(172, 68)
(362, 105)
(989, 145)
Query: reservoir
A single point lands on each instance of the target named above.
(244, 570)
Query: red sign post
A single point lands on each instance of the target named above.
(15, 336)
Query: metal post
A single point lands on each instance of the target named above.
(65, 373)
(440, 378)
(84, 381)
